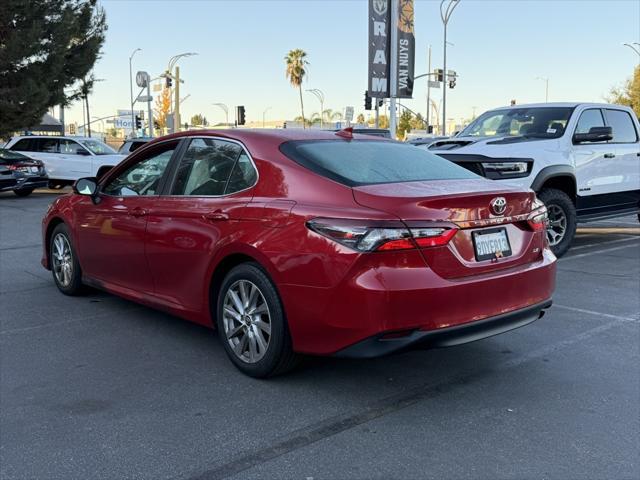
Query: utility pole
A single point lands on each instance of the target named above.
(176, 108)
(428, 89)
(377, 112)
(393, 71)
(546, 88)
(320, 96)
(445, 15)
(264, 112)
(131, 90)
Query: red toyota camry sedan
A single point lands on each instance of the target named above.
(294, 242)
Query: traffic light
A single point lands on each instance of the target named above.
(138, 122)
(240, 115)
(439, 75)
(367, 101)
(452, 76)
(168, 81)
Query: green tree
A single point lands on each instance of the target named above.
(417, 122)
(199, 119)
(629, 93)
(296, 70)
(45, 47)
(404, 125)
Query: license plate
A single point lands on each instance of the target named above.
(493, 243)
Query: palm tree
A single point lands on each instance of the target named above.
(295, 72)
(329, 115)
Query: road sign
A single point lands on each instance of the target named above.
(348, 114)
(123, 122)
(142, 78)
(434, 84)
(145, 98)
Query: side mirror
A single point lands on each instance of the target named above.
(82, 151)
(596, 134)
(85, 186)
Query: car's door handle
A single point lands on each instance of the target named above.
(216, 216)
(609, 155)
(138, 212)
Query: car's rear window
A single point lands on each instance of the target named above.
(368, 162)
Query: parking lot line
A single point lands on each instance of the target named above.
(571, 257)
(580, 247)
(597, 314)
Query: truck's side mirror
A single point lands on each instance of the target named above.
(596, 134)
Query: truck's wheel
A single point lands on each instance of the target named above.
(55, 185)
(562, 219)
(23, 192)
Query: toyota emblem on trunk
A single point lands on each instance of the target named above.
(498, 205)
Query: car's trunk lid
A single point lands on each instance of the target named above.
(465, 204)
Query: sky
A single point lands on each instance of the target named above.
(499, 48)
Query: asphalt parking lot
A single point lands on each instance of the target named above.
(99, 387)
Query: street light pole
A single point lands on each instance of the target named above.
(445, 15)
(226, 112)
(428, 88)
(635, 47)
(320, 96)
(131, 89)
(264, 113)
(546, 88)
(176, 108)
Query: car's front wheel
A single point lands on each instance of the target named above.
(64, 262)
(23, 192)
(562, 219)
(252, 325)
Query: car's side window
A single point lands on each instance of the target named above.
(622, 125)
(24, 145)
(243, 175)
(206, 166)
(47, 145)
(589, 119)
(69, 147)
(143, 177)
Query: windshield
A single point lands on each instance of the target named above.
(362, 162)
(97, 147)
(9, 155)
(537, 122)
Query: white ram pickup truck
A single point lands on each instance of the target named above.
(581, 159)
(67, 159)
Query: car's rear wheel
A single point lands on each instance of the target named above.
(562, 219)
(252, 324)
(23, 192)
(64, 262)
(56, 184)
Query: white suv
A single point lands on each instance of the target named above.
(67, 159)
(582, 159)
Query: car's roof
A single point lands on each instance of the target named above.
(275, 136)
(66, 137)
(558, 105)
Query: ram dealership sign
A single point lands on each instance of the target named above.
(383, 14)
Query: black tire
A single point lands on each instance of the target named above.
(74, 285)
(23, 192)
(279, 356)
(556, 199)
(55, 185)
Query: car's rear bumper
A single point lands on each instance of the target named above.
(22, 183)
(383, 344)
(396, 293)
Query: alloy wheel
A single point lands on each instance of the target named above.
(557, 224)
(62, 259)
(247, 321)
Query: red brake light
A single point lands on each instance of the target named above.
(433, 237)
(538, 219)
(369, 236)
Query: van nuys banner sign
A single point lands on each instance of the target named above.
(380, 25)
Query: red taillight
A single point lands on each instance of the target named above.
(538, 218)
(369, 236)
(433, 237)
